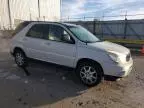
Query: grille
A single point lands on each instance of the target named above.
(128, 57)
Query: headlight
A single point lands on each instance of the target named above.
(113, 56)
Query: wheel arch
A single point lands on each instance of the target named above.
(18, 49)
(91, 61)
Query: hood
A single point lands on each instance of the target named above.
(109, 46)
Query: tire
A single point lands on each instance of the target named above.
(20, 58)
(89, 73)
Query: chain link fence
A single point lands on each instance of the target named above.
(121, 29)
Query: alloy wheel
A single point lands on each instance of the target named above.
(88, 74)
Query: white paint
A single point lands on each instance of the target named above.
(63, 78)
(26, 81)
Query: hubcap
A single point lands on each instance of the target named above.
(19, 59)
(88, 74)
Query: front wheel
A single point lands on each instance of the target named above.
(89, 73)
(20, 58)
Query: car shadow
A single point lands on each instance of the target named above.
(51, 83)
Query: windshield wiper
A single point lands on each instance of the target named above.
(93, 41)
(99, 41)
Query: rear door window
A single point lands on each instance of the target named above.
(46, 31)
(36, 31)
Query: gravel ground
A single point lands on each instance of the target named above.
(53, 86)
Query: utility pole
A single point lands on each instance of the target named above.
(39, 8)
(102, 26)
(126, 15)
(9, 13)
(30, 14)
(125, 26)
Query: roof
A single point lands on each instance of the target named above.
(69, 24)
(66, 24)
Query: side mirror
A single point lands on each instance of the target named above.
(66, 37)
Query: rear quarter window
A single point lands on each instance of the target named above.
(20, 27)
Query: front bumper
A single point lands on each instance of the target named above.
(118, 70)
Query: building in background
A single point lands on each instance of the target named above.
(14, 11)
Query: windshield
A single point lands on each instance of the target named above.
(83, 34)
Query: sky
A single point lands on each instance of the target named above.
(99, 8)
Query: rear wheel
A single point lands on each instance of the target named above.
(89, 73)
(20, 58)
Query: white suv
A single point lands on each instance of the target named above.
(73, 46)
